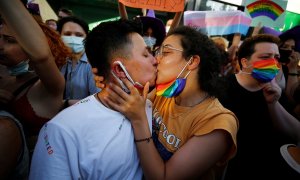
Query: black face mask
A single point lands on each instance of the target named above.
(284, 55)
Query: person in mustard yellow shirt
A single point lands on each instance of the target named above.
(194, 136)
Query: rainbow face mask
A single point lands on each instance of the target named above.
(265, 70)
(174, 87)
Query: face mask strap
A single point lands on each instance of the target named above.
(128, 76)
(120, 82)
(243, 72)
(249, 66)
(187, 75)
(184, 69)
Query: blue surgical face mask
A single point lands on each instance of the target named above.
(150, 41)
(19, 69)
(74, 42)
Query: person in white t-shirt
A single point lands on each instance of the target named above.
(89, 140)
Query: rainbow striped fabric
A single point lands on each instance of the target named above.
(173, 88)
(265, 8)
(266, 12)
(218, 22)
(265, 70)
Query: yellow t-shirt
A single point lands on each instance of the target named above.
(174, 125)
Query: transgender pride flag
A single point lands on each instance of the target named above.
(218, 22)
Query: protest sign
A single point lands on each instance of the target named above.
(159, 5)
(269, 12)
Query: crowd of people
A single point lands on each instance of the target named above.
(144, 99)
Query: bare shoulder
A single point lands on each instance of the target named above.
(11, 139)
(9, 130)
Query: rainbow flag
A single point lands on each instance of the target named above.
(266, 12)
(218, 22)
(265, 8)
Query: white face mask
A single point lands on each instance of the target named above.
(136, 84)
(150, 41)
(74, 42)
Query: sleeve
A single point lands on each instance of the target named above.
(226, 121)
(54, 155)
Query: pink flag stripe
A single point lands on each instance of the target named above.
(224, 30)
(218, 21)
(210, 14)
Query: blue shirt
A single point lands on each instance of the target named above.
(79, 79)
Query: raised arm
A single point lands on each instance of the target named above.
(122, 11)
(33, 40)
(285, 122)
(11, 146)
(176, 20)
(256, 29)
(282, 120)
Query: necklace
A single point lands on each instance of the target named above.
(182, 111)
(198, 102)
(203, 98)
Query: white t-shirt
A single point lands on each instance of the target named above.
(87, 141)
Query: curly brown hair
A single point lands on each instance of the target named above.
(59, 50)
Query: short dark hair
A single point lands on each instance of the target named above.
(247, 48)
(74, 19)
(109, 40)
(196, 43)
